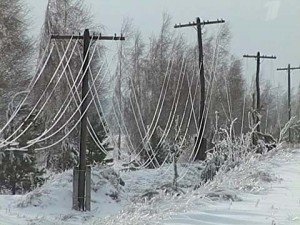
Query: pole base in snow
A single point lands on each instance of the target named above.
(201, 153)
(87, 196)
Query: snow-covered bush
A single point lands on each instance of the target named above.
(228, 152)
(19, 172)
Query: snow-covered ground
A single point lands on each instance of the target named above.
(51, 203)
(263, 190)
(252, 193)
(279, 204)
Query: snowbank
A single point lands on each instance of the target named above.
(256, 176)
(146, 196)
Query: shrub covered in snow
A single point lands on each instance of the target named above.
(230, 151)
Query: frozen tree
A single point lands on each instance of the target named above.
(19, 171)
(94, 154)
(16, 50)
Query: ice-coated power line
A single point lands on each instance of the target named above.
(30, 88)
(6, 142)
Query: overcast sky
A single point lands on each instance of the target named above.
(269, 26)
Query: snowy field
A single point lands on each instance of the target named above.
(279, 204)
(265, 190)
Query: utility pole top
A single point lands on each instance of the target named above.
(289, 68)
(93, 37)
(190, 24)
(260, 56)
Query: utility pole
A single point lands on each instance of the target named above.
(120, 100)
(81, 198)
(200, 146)
(289, 68)
(258, 107)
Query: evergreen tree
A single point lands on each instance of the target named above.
(18, 166)
(16, 49)
(95, 155)
(18, 171)
(68, 157)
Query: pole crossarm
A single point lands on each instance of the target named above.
(94, 37)
(291, 68)
(201, 23)
(262, 56)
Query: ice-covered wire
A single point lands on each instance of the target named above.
(174, 106)
(166, 79)
(147, 145)
(76, 97)
(102, 118)
(228, 99)
(79, 120)
(144, 143)
(41, 137)
(243, 115)
(189, 98)
(6, 142)
(29, 88)
(160, 104)
(120, 121)
(177, 95)
(192, 112)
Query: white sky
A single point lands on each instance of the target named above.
(269, 26)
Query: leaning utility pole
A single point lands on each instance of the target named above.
(200, 146)
(258, 57)
(81, 191)
(289, 68)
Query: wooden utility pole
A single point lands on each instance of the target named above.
(120, 101)
(83, 123)
(258, 57)
(288, 69)
(200, 146)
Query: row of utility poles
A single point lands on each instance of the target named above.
(81, 178)
(200, 141)
(81, 188)
(258, 58)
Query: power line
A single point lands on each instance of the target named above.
(5, 143)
